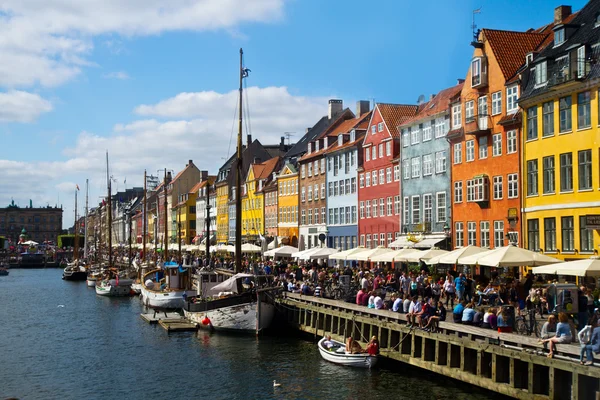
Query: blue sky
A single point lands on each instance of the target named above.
(155, 85)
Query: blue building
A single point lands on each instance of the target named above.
(344, 157)
(425, 183)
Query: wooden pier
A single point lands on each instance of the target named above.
(506, 363)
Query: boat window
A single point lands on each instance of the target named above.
(204, 278)
(213, 278)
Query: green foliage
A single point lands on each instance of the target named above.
(69, 241)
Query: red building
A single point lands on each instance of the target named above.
(379, 177)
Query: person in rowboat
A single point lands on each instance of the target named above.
(353, 347)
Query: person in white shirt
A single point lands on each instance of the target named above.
(585, 335)
(364, 283)
(378, 303)
(406, 304)
(397, 306)
(415, 307)
(449, 291)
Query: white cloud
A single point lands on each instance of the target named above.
(47, 42)
(122, 75)
(19, 106)
(202, 129)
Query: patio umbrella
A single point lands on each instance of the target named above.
(455, 256)
(424, 255)
(367, 254)
(343, 255)
(585, 267)
(513, 256)
(250, 248)
(299, 254)
(323, 253)
(284, 251)
(393, 256)
(549, 269)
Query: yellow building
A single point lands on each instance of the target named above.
(222, 212)
(287, 184)
(560, 146)
(253, 212)
(185, 215)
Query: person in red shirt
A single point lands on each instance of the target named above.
(362, 297)
(373, 346)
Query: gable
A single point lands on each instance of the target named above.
(376, 118)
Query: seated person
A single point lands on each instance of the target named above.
(427, 310)
(468, 314)
(549, 327)
(415, 307)
(371, 303)
(485, 323)
(360, 297)
(328, 344)
(306, 289)
(504, 321)
(406, 304)
(563, 334)
(378, 303)
(373, 346)
(353, 347)
(493, 319)
(397, 305)
(457, 313)
(478, 317)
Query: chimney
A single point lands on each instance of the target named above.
(431, 97)
(169, 177)
(308, 129)
(362, 106)
(203, 175)
(560, 13)
(335, 107)
(282, 144)
(459, 81)
(190, 162)
(256, 160)
(249, 139)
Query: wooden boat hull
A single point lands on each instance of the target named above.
(349, 360)
(248, 317)
(74, 275)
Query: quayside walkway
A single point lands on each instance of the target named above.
(506, 363)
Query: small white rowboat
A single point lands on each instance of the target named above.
(337, 354)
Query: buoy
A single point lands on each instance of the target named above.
(205, 321)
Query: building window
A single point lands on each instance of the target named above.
(368, 208)
(482, 111)
(322, 190)
(361, 181)
(427, 131)
(476, 72)
(532, 126)
(584, 116)
(550, 234)
(362, 240)
(498, 233)
(414, 135)
(581, 61)
(309, 169)
(497, 144)
(388, 148)
(458, 192)
(427, 165)
(511, 142)
(302, 171)
(498, 188)
(373, 129)
(381, 150)
(353, 185)
(316, 215)
(416, 167)
(380, 127)
(388, 175)
(559, 37)
(477, 189)
(548, 119)
(532, 177)
(548, 171)
(585, 169)
(564, 112)
(374, 178)
(459, 234)
(457, 153)
(568, 236)
(405, 139)
(397, 205)
(456, 116)
(566, 172)
(381, 177)
(406, 210)
(310, 192)
(484, 233)
(469, 111)
(416, 206)
(368, 241)
(440, 162)
(471, 233)
(541, 73)
(302, 217)
(303, 195)
(441, 207)
(381, 207)
(483, 150)
(470, 145)
(396, 173)
(374, 208)
(512, 95)
(513, 186)
(362, 210)
(586, 236)
(533, 234)
(406, 168)
(353, 210)
(390, 206)
(496, 103)
(367, 154)
(427, 206)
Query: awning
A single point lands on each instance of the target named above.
(402, 242)
(429, 242)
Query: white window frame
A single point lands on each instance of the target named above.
(406, 210)
(482, 143)
(427, 132)
(496, 144)
(427, 164)
(441, 163)
(458, 192)
(406, 168)
(396, 173)
(459, 231)
(469, 110)
(388, 148)
(512, 95)
(416, 218)
(513, 186)
(457, 153)
(415, 167)
(441, 213)
(470, 150)
(456, 116)
(511, 141)
(414, 135)
(427, 208)
(472, 233)
(380, 127)
(498, 187)
(497, 103)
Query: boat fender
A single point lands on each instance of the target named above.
(205, 321)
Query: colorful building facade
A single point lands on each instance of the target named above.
(287, 204)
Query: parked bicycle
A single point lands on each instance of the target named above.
(528, 325)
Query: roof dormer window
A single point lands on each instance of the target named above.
(340, 139)
(309, 148)
(478, 72)
(559, 37)
(317, 145)
(352, 135)
(541, 73)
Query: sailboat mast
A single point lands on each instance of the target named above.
(109, 210)
(85, 237)
(76, 239)
(238, 180)
(166, 243)
(144, 219)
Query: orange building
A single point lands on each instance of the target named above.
(485, 131)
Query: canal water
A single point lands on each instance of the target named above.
(61, 340)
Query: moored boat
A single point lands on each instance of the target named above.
(337, 354)
(167, 287)
(114, 287)
(75, 272)
(3, 271)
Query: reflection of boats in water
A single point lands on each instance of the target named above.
(75, 272)
(233, 305)
(337, 354)
(166, 287)
(32, 260)
(3, 271)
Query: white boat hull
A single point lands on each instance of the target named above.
(164, 299)
(349, 360)
(111, 289)
(91, 282)
(238, 318)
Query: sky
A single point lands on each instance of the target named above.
(154, 83)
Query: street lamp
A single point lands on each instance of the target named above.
(447, 233)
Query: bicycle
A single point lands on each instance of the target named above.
(528, 326)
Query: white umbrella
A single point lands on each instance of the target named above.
(393, 256)
(284, 251)
(30, 243)
(323, 253)
(250, 248)
(424, 255)
(455, 256)
(367, 254)
(343, 255)
(512, 256)
(585, 267)
(299, 254)
(545, 269)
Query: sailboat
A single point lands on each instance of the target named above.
(75, 271)
(166, 287)
(236, 304)
(112, 284)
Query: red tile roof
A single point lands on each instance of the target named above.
(440, 103)
(267, 168)
(510, 48)
(394, 115)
